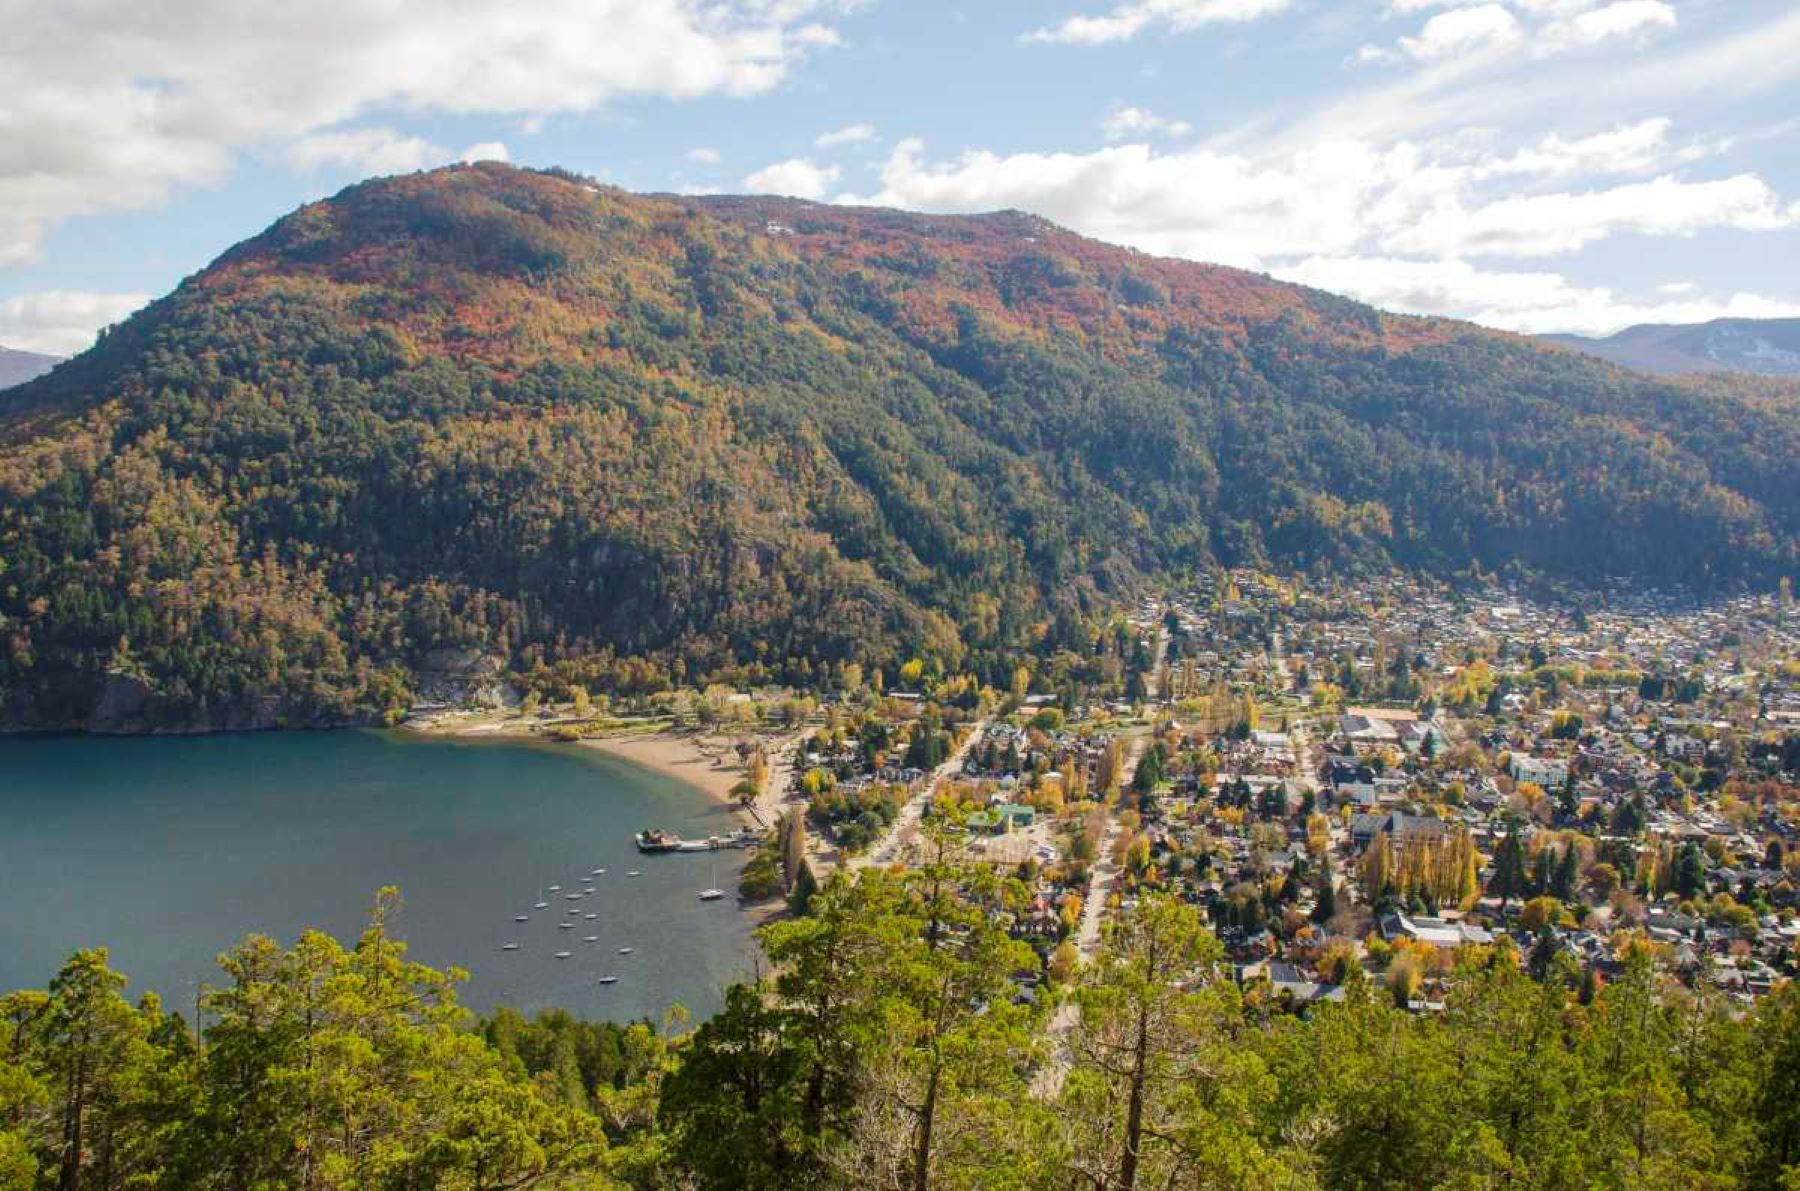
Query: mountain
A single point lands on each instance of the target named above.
(1757, 346)
(485, 416)
(17, 367)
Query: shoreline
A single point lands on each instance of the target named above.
(660, 750)
(702, 761)
(708, 764)
(677, 755)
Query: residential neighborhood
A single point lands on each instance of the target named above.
(1376, 780)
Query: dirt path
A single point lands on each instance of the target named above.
(782, 754)
(1089, 931)
(1088, 935)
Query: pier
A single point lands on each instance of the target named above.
(656, 842)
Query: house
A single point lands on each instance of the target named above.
(1366, 730)
(1002, 819)
(1399, 826)
(1684, 748)
(1548, 773)
(1415, 734)
(1341, 771)
(1287, 981)
(1436, 931)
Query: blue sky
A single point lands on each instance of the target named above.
(1531, 164)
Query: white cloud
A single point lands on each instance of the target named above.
(61, 322)
(703, 156)
(1531, 303)
(1540, 8)
(1463, 31)
(1762, 56)
(1676, 288)
(364, 151)
(1556, 8)
(1749, 62)
(818, 37)
(1490, 27)
(1409, 7)
(1124, 123)
(1624, 18)
(1198, 204)
(851, 135)
(1549, 224)
(1629, 148)
(113, 105)
(486, 151)
(798, 177)
(1345, 197)
(1125, 21)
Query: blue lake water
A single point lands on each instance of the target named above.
(168, 850)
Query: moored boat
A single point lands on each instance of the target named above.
(653, 839)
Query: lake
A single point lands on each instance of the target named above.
(169, 850)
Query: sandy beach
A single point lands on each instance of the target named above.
(708, 762)
(710, 765)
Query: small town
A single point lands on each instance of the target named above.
(836, 595)
(1375, 781)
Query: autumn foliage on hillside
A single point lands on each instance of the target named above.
(519, 412)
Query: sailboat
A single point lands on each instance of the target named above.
(713, 894)
(540, 903)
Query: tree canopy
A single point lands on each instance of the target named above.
(656, 439)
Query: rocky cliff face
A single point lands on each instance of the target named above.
(463, 678)
(130, 704)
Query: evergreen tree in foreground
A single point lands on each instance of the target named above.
(890, 1047)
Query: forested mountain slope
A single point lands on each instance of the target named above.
(507, 410)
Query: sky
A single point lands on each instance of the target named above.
(1533, 165)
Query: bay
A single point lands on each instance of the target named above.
(168, 850)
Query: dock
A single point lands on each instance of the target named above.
(657, 842)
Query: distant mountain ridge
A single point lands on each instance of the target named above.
(642, 440)
(1755, 346)
(17, 367)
